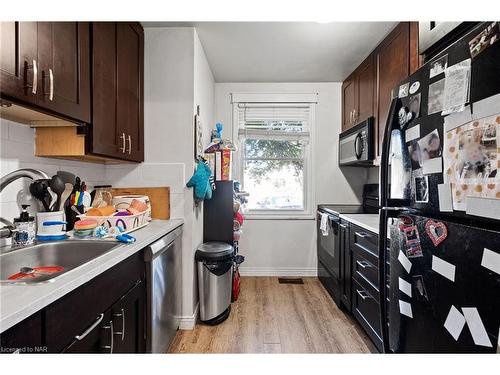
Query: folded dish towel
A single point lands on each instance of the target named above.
(324, 224)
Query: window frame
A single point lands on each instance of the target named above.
(238, 166)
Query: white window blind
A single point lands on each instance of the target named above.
(277, 121)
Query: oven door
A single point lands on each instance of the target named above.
(328, 246)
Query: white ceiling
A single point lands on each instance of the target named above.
(285, 51)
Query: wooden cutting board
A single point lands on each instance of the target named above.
(158, 196)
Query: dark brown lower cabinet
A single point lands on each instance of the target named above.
(120, 329)
(105, 315)
(128, 317)
(25, 337)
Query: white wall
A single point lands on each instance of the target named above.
(288, 247)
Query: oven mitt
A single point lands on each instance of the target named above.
(200, 180)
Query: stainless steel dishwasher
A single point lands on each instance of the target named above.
(163, 276)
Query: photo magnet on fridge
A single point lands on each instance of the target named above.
(438, 66)
(415, 155)
(436, 231)
(414, 105)
(414, 87)
(430, 146)
(435, 97)
(403, 90)
(419, 286)
(412, 242)
(472, 161)
(486, 38)
(422, 189)
(404, 117)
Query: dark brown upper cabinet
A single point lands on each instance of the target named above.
(357, 94)
(18, 61)
(349, 90)
(63, 51)
(118, 90)
(45, 65)
(393, 65)
(367, 91)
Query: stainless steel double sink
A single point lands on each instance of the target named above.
(68, 254)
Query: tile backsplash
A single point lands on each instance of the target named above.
(17, 151)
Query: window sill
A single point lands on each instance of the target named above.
(278, 217)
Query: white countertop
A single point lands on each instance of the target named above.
(366, 221)
(17, 302)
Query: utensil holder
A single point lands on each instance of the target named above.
(72, 215)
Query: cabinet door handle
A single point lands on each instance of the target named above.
(51, 85)
(129, 144)
(363, 264)
(122, 149)
(364, 295)
(111, 337)
(350, 117)
(354, 117)
(34, 83)
(122, 315)
(88, 330)
(50, 94)
(343, 226)
(362, 235)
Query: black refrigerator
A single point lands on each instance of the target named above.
(440, 203)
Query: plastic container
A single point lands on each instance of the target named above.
(128, 223)
(50, 225)
(123, 201)
(26, 228)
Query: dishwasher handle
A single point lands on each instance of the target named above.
(163, 244)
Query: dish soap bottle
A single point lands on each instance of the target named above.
(25, 226)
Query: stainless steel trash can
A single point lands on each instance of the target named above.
(215, 274)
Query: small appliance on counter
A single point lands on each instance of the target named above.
(356, 145)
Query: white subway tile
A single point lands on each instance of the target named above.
(21, 133)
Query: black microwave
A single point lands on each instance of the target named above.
(356, 146)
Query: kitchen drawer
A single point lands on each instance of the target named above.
(363, 267)
(364, 240)
(366, 309)
(76, 311)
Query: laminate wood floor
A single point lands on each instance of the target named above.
(278, 318)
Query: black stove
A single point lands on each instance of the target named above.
(333, 264)
(336, 209)
(370, 204)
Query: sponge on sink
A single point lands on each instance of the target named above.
(85, 224)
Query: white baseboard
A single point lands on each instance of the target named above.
(188, 322)
(271, 271)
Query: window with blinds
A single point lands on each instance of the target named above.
(275, 155)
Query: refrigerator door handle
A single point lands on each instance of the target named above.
(395, 208)
(382, 243)
(384, 214)
(384, 154)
